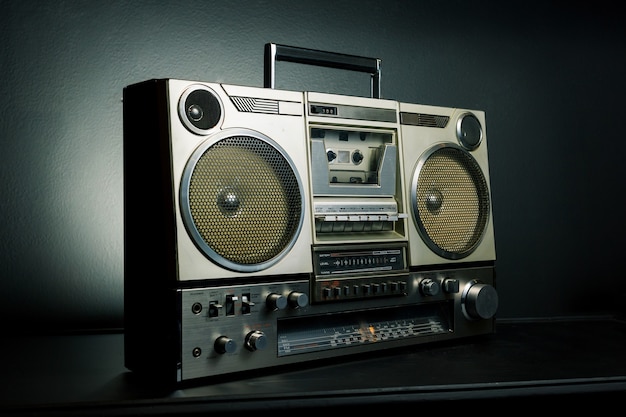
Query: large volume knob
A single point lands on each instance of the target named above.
(256, 340)
(480, 301)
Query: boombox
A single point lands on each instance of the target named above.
(266, 227)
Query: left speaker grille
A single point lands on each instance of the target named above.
(244, 201)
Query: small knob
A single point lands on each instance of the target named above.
(276, 301)
(357, 157)
(331, 155)
(480, 301)
(429, 286)
(451, 285)
(256, 340)
(297, 299)
(224, 344)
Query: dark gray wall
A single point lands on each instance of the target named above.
(550, 79)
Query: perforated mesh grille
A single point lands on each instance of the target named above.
(245, 200)
(452, 201)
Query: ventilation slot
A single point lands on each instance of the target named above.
(424, 120)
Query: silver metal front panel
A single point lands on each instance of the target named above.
(244, 327)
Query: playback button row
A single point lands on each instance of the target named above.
(355, 289)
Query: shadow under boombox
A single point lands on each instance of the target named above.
(268, 227)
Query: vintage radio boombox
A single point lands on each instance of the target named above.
(266, 227)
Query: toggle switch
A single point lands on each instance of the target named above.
(229, 305)
(246, 303)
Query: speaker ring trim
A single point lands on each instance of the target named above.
(422, 231)
(186, 211)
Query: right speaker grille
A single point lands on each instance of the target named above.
(450, 201)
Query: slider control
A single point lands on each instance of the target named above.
(229, 305)
(246, 303)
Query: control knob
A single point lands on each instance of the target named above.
(224, 344)
(297, 299)
(256, 340)
(429, 286)
(276, 301)
(479, 301)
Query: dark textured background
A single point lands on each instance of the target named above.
(549, 77)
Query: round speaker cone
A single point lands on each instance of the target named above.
(469, 131)
(242, 202)
(450, 200)
(200, 109)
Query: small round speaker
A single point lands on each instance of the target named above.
(200, 109)
(469, 131)
(450, 200)
(242, 200)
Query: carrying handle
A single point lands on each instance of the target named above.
(275, 52)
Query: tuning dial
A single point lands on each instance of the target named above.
(225, 344)
(429, 286)
(297, 299)
(256, 340)
(276, 301)
(479, 300)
